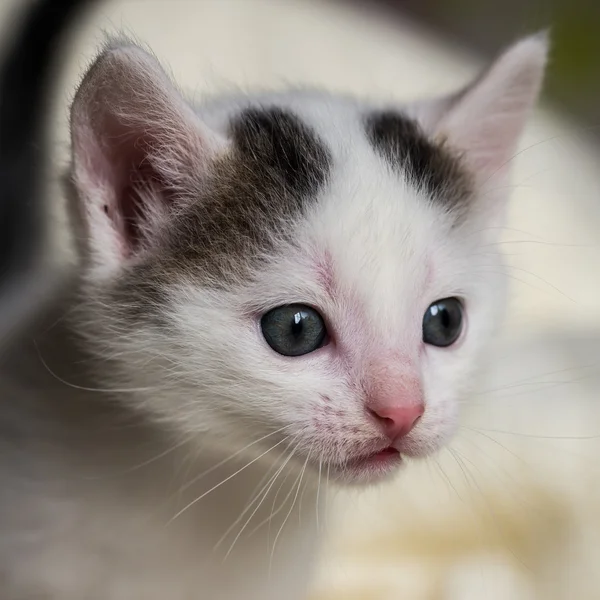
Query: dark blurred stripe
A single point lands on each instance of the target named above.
(28, 69)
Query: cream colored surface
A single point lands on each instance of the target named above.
(510, 512)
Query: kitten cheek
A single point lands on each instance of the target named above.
(436, 430)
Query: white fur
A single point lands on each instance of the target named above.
(89, 511)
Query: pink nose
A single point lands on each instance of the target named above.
(398, 421)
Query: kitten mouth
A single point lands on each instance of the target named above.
(381, 456)
(368, 467)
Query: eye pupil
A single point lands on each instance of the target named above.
(445, 319)
(293, 330)
(297, 325)
(442, 322)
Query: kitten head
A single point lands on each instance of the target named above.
(297, 271)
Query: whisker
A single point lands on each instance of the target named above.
(538, 242)
(193, 502)
(460, 465)
(505, 228)
(84, 388)
(523, 281)
(517, 154)
(504, 472)
(447, 478)
(273, 511)
(327, 489)
(305, 486)
(528, 380)
(272, 482)
(495, 516)
(318, 492)
(255, 495)
(288, 514)
(540, 437)
(541, 279)
(141, 465)
(495, 441)
(226, 460)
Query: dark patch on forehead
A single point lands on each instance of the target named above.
(255, 195)
(283, 150)
(427, 164)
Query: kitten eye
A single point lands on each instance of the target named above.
(293, 330)
(442, 322)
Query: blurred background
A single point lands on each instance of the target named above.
(573, 84)
(511, 510)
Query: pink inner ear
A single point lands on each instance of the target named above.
(137, 187)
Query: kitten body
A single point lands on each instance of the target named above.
(90, 494)
(152, 421)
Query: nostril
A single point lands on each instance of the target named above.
(386, 421)
(398, 421)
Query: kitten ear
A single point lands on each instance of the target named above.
(486, 119)
(137, 147)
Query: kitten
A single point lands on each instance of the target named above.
(276, 291)
(26, 77)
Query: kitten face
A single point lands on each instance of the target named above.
(297, 271)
